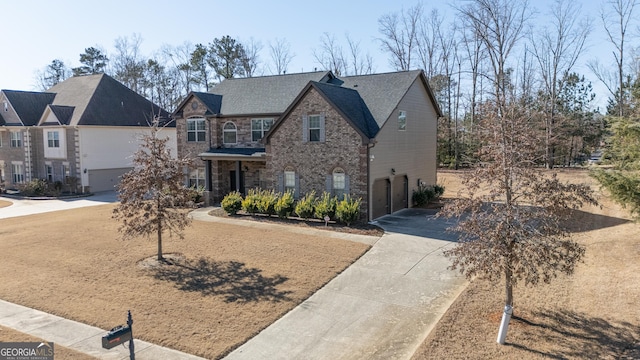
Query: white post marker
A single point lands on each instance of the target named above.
(504, 324)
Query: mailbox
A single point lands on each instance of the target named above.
(116, 336)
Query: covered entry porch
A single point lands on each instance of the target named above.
(233, 169)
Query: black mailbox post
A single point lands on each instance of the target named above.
(119, 335)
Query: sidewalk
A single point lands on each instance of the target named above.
(80, 337)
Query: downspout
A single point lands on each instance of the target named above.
(370, 144)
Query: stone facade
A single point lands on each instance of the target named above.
(314, 161)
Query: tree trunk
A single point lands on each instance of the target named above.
(160, 257)
(508, 308)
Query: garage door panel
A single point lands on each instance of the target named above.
(105, 179)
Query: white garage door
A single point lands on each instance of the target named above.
(105, 179)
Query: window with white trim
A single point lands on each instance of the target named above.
(53, 139)
(314, 128)
(229, 133)
(16, 138)
(339, 183)
(197, 177)
(259, 127)
(289, 180)
(196, 130)
(17, 173)
(402, 120)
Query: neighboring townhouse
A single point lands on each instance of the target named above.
(370, 136)
(81, 133)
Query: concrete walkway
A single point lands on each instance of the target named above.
(80, 337)
(381, 307)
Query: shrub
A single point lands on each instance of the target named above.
(266, 202)
(232, 203)
(250, 202)
(35, 187)
(426, 194)
(305, 206)
(284, 206)
(348, 210)
(325, 206)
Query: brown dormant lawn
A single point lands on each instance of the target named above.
(594, 314)
(227, 283)
(4, 203)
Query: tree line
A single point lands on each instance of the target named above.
(539, 69)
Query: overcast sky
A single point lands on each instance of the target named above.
(35, 32)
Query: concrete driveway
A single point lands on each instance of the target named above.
(382, 307)
(21, 207)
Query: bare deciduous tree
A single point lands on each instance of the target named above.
(615, 25)
(511, 215)
(399, 36)
(250, 57)
(52, 74)
(556, 51)
(358, 63)
(330, 55)
(281, 55)
(152, 195)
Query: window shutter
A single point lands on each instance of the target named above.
(297, 192)
(346, 184)
(281, 183)
(305, 128)
(322, 132)
(329, 183)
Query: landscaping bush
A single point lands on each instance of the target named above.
(284, 206)
(325, 206)
(348, 210)
(35, 187)
(426, 194)
(251, 201)
(305, 206)
(266, 202)
(232, 203)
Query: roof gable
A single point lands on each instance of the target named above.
(28, 105)
(101, 100)
(61, 113)
(382, 92)
(353, 108)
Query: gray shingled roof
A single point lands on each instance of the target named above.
(63, 113)
(381, 92)
(101, 100)
(349, 102)
(213, 102)
(29, 105)
(266, 94)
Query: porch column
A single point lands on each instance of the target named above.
(238, 170)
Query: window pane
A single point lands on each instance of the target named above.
(256, 135)
(267, 124)
(256, 124)
(200, 125)
(402, 120)
(314, 135)
(229, 137)
(191, 125)
(314, 122)
(191, 136)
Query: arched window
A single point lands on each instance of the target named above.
(339, 181)
(229, 133)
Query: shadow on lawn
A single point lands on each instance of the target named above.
(231, 279)
(582, 221)
(575, 335)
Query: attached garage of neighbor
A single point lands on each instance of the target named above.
(105, 179)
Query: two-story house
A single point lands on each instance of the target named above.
(81, 133)
(370, 136)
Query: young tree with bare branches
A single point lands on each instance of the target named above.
(152, 195)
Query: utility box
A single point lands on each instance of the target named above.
(116, 336)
